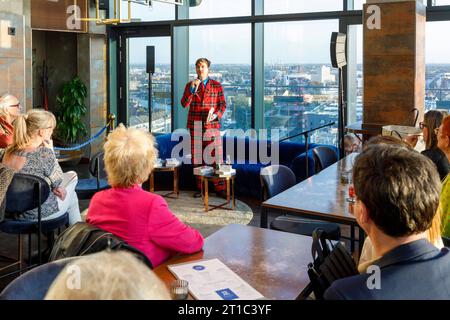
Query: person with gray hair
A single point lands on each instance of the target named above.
(9, 110)
(107, 276)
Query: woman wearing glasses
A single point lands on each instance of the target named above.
(432, 121)
(9, 110)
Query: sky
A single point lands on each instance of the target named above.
(284, 42)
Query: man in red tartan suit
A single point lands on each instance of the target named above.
(206, 102)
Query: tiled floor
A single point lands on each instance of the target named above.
(9, 246)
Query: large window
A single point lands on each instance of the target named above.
(140, 111)
(437, 58)
(441, 2)
(300, 6)
(221, 8)
(230, 58)
(300, 85)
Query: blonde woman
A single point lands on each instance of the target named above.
(140, 218)
(107, 276)
(9, 110)
(32, 153)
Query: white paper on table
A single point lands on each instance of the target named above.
(213, 280)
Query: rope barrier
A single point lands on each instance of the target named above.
(84, 143)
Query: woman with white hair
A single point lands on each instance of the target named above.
(140, 218)
(32, 153)
(107, 276)
(9, 110)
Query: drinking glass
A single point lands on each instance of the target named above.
(179, 289)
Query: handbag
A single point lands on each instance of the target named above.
(330, 262)
(82, 238)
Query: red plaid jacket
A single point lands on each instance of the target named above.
(200, 103)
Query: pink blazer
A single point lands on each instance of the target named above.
(144, 221)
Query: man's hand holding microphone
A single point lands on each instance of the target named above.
(194, 85)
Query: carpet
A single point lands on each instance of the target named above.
(192, 210)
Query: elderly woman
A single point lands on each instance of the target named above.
(107, 276)
(141, 218)
(443, 137)
(433, 120)
(32, 153)
(9, 110)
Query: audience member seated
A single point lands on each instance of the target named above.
(107, 276)
(368, 255)
(32, 153)
(9, 110)
(397, 195)
(443, 136)
(433, 120)
(140, 218)
(351, 144)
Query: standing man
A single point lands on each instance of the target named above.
(206, 102)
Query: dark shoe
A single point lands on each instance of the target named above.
(197, 194)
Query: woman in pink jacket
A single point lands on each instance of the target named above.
(140, 218)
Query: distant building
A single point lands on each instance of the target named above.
(324, 75)
(298, 77)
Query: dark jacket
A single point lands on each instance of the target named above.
(440, 160)
(416, 270)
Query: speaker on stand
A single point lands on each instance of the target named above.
(150, 70)
(338, 60)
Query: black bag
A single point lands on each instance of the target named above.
(330, 263)
(82, 238)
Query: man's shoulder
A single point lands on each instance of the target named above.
(431, 271)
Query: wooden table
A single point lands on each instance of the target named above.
(175, 170)
(205, 193)
(272, 262)
(367, 130)
(320, 197)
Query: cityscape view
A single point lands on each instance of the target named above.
(296, 97)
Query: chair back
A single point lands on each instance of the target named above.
(97, 165)
(276, 179)
(34, 284)
(24, 193)
(324, 157)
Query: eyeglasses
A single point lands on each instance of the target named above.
(15, 106)
(422, 125)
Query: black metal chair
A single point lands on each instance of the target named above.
(274, 180)
(446, 241)
(25, 193)
(324, 157)
(86, 188)
(34, 284)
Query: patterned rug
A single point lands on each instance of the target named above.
(192, 210)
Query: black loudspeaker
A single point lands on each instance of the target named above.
(150, 59)
(103, 5)
(337, 49)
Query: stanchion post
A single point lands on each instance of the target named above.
(111, 120)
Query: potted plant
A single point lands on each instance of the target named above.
(71, 108)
